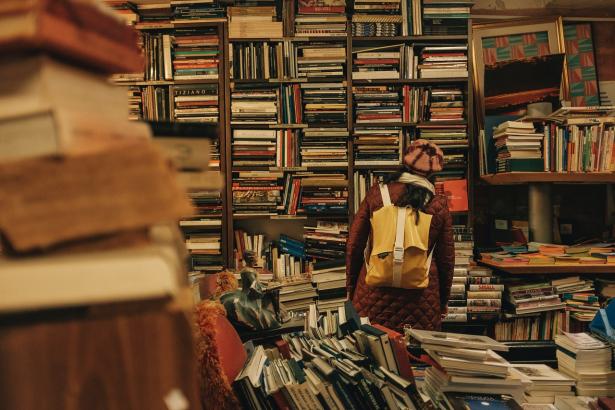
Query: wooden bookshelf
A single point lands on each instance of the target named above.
(512, 178)
(411, 81)
(560, 268)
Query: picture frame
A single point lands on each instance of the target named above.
(514, 40)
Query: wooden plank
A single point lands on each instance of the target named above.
(559, 268)
(511, 178)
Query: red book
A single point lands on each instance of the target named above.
(456, 192)
(284, 348)
(321, 9)
(398, 343)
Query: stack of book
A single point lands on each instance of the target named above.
(484, 299)
(324, 194)
(196, 54)
(195, 11)
(533, 298)
(372, 18)
(296, 295)
(256, 192)
(445, 104)
(447, 137)
(363, 181)
(457, 304)
(316, 18)
(377, 104)
(320, 60)
(324, 147)
(254, 147)
(154, 15)
(252, 22)
(325, 240)
(580, 299)
(374, 63)
(254, 105)
(446, 17)
(290, 104)
(329, 277)
(135, 101)
(257, 60)
(377, 146)
(324, 104)
(588, 361)
(543, 383)
(467, 366)
(518, 146)
(443, 62)
(195, 103)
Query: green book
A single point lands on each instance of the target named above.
(521, 165)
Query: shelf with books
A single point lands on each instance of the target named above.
(511, 178)
(434, 81)
(286, 80)
(558, 268)
(290, 39)
(424, 38)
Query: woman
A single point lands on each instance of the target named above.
(410, 187)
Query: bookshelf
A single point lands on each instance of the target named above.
(560, 268)
(511, 178)
(293, 76)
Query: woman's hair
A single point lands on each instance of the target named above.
(415, 196)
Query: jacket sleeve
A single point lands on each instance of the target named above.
(445, 255)
(357, 240)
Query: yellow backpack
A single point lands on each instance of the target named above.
(398, 256)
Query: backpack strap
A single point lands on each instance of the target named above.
(398, 250)
(384, 193)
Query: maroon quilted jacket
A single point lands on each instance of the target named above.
(394, 307)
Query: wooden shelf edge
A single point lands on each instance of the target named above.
(518, 269)
(511, 178)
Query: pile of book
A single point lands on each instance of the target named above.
(254, 105)
(256, 192)
(257, 60)
(324, 104)
(196, 54)
(195, 103)
(324, 147)
(543, 384)
(320, 60)
(290, 104)
(296, 295)
(324, 194)
(374, 63)
(154, 15)
(252, 22)
(329, 277)
(448, 61)
(315, 18)
(453, 140)
(457, 305)
(484, 299)
(467, 366)
(588, 361)
(247, 243)
(546, 254)
(518, 145)
(533, 298)
(377, 104)
(325, 240)
(444, 104)
(372, 18)
(446, 17)
(363, 181)
(194, 11)
(580, 299)
(377, 146)
(254, 147)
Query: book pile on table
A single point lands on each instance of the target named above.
(316, 18)
(254, 105)
(580, 299)
(373, 63)
(543, 383)
(195, 103)
(443, 62)
(325, 240)
(324, 147)
(196, 54)
(372, 18)
(518, 142)
(329, 277)
(320, 60)
(256, 192)
(377, 146)
(252, 22)
(446, 17)
(588, 361)
(467, 365)
(192, 11)
(324, 104)
(377, 104)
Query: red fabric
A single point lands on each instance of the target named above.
(394, 307)
(230, 349)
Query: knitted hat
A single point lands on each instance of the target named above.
(423, 157)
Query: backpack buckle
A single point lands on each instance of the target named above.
(398, 254)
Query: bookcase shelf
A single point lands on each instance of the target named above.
(425, 38)
(446, 80)
(169, 82)
(408, 124)
(512, 178)
(269, 126)
(293, 39)
(289, 169)
(518, 269)
(289, 80)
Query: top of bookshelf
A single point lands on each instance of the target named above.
(558, 268)
(425, 38)
(513, 178)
